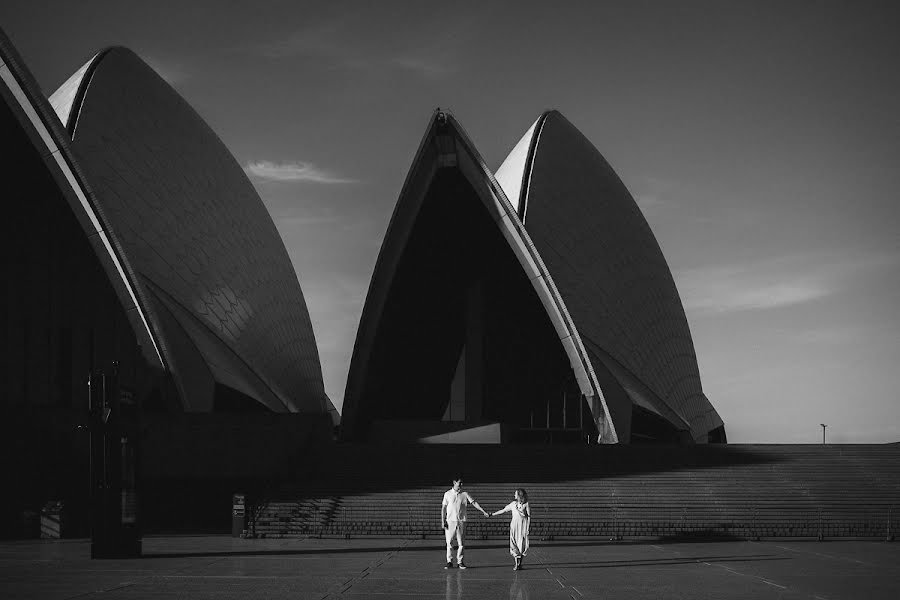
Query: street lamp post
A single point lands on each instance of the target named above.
(823, 431)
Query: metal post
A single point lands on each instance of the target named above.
(564, 407)
(90, 435)
(104, 474)
(548, 414)
(823, 432)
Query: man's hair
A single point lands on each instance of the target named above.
(457, 478)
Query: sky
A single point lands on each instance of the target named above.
(760, 139)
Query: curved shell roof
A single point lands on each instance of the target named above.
(444, 144)
(210, 266)
(23, 96)
(610, 271)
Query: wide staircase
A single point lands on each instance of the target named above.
(613, 492)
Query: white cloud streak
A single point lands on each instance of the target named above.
(292, 172)
(775, 283)
(723, 290)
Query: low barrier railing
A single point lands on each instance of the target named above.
(611, 522)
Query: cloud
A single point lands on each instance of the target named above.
(754, 286)
(774, 283)
(724, 290)
(291, 172)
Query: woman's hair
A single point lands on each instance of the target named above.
(522, 494)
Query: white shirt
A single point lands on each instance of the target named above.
(456, 503)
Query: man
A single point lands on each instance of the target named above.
(453, 520)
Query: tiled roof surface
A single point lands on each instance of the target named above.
(191, 223)
(610, 270)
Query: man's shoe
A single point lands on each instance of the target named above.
(462, 565)
(449, 565)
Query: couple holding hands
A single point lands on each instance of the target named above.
(453, 522)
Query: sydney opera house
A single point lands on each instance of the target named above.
(141, 240)
(530, 305)
(145, 275)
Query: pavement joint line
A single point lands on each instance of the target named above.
(106, 591)
(577, 591)
(137, 580)
(730, 570)
(364, 573)
(557, 578)
(131, 583)
(763, 579)
(823, 554)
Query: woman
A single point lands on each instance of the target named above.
(518, 527)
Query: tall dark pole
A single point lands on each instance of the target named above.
(90, 449)
(823, 432)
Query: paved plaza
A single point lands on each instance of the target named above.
(223, 567)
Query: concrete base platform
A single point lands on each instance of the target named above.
(224, 567)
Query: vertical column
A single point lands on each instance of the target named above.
(474, 352)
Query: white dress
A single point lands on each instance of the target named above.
(518, 527)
